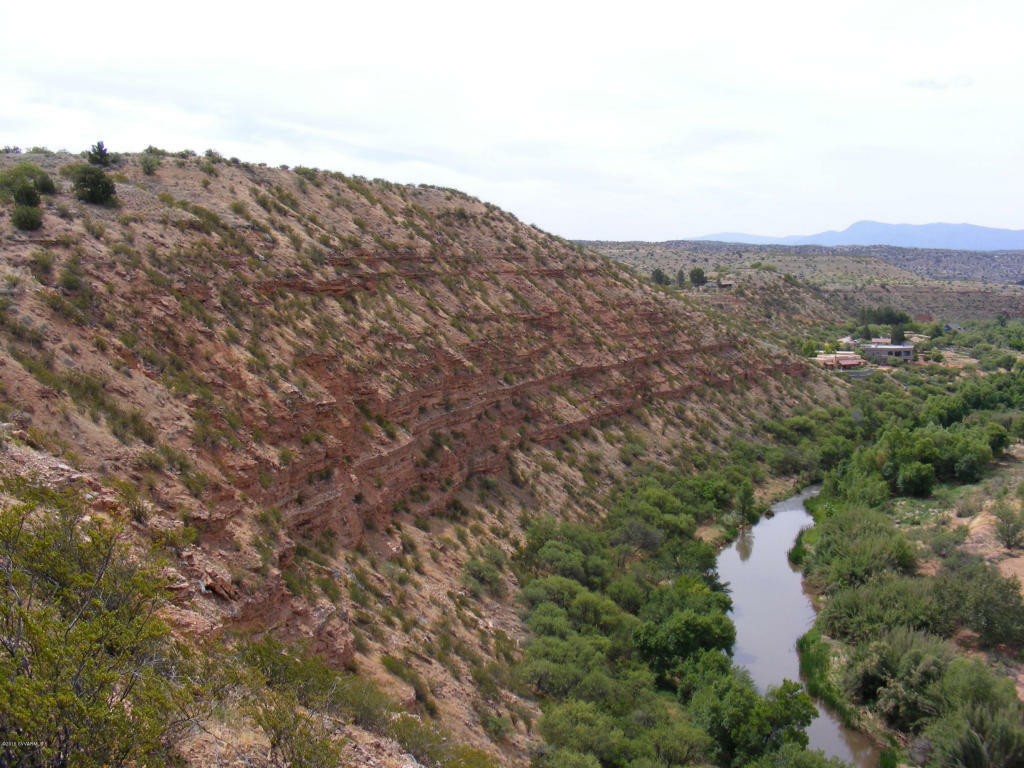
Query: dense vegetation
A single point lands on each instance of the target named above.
(632, 637)
(918, 427)
(632, 642)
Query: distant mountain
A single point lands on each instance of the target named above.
(968, 237)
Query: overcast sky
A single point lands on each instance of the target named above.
(622, 121)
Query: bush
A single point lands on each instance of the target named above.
(26, 179)
(41, 264)
(481, 574)
(296, 737)
(26, 195)
(1009, 527)
(981, 598)
(978, 737)
(90, 183)
(91, 678)
(861, 613)
(149, 164)
(897, 676)
(27, 217)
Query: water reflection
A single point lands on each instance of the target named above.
(771, 610)
(745, 544)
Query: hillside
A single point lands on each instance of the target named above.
(318, 397)
(957, 285)
(967, 237)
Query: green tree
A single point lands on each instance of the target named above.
(697, 277)
(916, 479)
(665, 644)
(744, 725)
(659, 277)
(745, 502)
(98, 155)
(90, 183)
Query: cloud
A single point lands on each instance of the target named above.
(931, 84)
(669, 121)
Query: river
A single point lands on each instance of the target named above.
(771, 610)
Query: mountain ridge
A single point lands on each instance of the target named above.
(970, 237)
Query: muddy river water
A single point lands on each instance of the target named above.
(771, 610)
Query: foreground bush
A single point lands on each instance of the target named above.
(86, 671)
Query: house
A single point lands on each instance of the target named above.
(840, 361)
(888, 353)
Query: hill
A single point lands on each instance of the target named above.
(957, 285)
(324, 403)
(969, 237)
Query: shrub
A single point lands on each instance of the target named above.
(897, 674)
(26, 179)
(296, 737)
(861, 613)
(44, 183)
(91, 678)
(26, 195)
(481, 574)
(1009, 527)
(978, 736)
(27, 217)
(978, 595)
(90, 183)
(149, 164)
(41, 264)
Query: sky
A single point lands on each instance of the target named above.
(626, 121)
